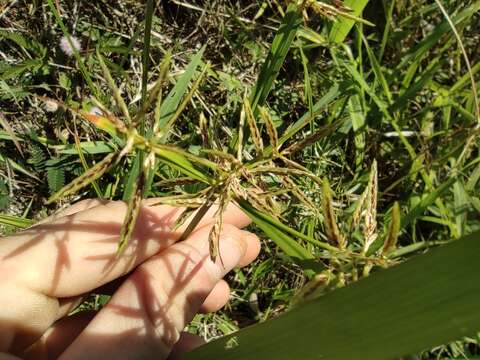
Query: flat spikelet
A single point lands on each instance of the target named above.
(370, 215)
(89, 176)
(333, 233)
(131, 216)
(254, 132)
(390, 242)
(271, 129)
(214, 236)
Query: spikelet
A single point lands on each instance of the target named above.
(271, 129)
(357, 214)
(241, 125)
(370, 215)
(203, 126)
(183, 217)
(210, 199)
(215, 232)
(333, 233)
(131, 216)
(89, 176)
(390, 242)
(313, 138)
(176, 182)
(254, 133)
(113, 88)
(298, 193)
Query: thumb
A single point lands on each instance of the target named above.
(146, 315)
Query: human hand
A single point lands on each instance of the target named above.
(46, 270)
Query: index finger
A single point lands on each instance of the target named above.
(77, 253)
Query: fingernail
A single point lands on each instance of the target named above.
(232, 248)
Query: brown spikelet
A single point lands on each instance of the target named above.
(357, 214)
(183, 217)
(260, 204)
(204, 133)
(254, 133)
(221, 154)
(214, 239)
(80, 182)
(184, 200)
(131, 216)
(156, 92)
(313, 138)
(333, 233)
(313, 288)
(241, 125)
(271, 129)
(390, 242)
(106, 122)
(113, 88)
(298, 193)
(176, 182)
(370, 217)
(200, 213)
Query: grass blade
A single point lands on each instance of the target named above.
(342, 26)
(174, 97)
(15, 221)
(278, 51)
(384, 308)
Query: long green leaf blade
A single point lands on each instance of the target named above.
(427, 301)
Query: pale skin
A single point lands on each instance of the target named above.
(158, 284)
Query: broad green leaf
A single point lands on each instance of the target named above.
(427, 301)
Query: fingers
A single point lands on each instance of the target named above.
(59, 337)
(253, 249)
(147, 313)
(74, 254)
(73, 209)
(186, 343)
(217, 298)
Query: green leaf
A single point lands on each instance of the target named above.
(15, 221)
(283, 235)
(276, 56)
(25, 43)
(426, 301)
(55, 178)
(179, 162)
(174, 97)
(428, 200)
(343, 25)
(422, 48)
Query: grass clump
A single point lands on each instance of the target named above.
(351, 146)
